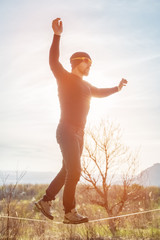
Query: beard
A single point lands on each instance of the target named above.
(86, 71)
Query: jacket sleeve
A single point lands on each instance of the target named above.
(54, 63)
(102, 92)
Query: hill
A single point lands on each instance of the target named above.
(150, 176)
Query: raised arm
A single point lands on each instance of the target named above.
(105, 92)
(54, 63)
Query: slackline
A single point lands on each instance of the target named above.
(90, 221)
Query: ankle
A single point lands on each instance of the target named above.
(46, 198)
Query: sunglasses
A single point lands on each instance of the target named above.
(85, 59)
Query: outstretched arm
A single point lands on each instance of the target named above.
(55, 65)
(105, 92)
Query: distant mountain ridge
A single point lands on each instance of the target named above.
(148, 177)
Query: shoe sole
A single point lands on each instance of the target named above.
(66, 221)
(42, 211)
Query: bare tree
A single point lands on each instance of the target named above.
(8, 192)
(107, 162)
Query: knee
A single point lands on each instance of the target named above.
(74, 175)
(63, 171)
(77, 175)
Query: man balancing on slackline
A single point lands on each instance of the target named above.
(74, 96)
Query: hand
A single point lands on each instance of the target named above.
(122, 83)
(57, 26)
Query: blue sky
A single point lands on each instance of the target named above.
(122, 38)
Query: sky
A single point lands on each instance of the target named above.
(122, 38)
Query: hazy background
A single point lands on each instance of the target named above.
(121, 36)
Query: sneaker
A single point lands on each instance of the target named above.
(45, 208)
(74, 217)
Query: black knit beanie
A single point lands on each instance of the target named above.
(75, 62)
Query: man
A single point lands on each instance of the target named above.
(74, 96)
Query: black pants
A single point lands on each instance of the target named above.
(70, 140)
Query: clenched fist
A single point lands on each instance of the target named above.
(122, 83)
(57, 26)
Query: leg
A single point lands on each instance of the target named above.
(56, 185)
(71, 156)
(70, 146)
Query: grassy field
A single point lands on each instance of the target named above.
(18, 201)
